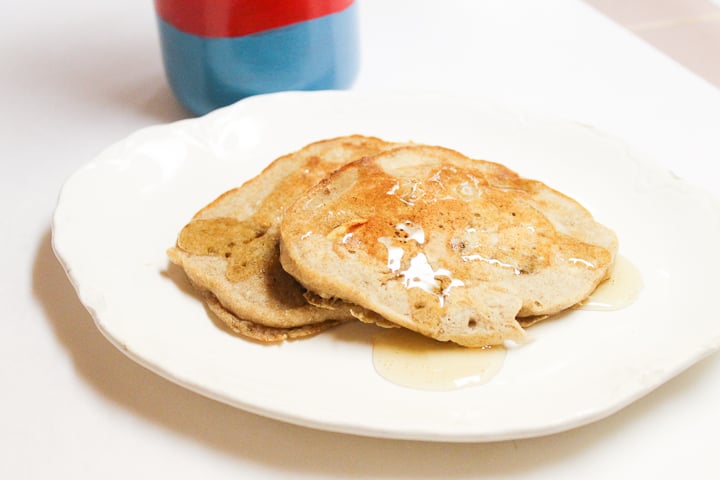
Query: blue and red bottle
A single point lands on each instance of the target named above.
(219, 51)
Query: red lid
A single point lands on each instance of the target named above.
(234, 18)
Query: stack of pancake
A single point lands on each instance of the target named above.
(399, 235)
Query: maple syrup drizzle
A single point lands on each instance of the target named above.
(411, 360)
(618, 291)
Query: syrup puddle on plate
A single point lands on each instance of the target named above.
(618, 291)
(408, 359)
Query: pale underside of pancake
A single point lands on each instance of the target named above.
(453, 248)
(230, 252)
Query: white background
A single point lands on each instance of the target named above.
(78, 75)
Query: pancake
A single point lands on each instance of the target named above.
(230, 252)
(453, 248)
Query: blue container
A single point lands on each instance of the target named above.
(219, 51)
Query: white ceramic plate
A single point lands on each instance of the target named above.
(117, 215)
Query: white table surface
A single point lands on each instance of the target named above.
(78, 75)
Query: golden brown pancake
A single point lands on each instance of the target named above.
(230, 251)
(453, 248)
